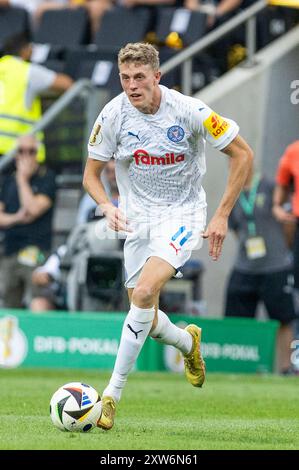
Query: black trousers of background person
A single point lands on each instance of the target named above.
(296, 256)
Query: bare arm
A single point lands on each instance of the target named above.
(241, 158)
(62, 82)
(280, 196)
(9, 220)
(133, 3)
(93, 185)
(34, 204)
(225, 6)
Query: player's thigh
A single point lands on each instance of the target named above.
(174, 239)
(136, 253)
(154, 275)
(278, 296)
(241, 295)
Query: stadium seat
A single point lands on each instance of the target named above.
(274, 22)
(190, 25)
(64, 28)
(100, 66)
(173, 78)
(75, 57)
(103, 74)
(122, 25)
(13, 21)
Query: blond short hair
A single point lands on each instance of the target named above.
(139, 53)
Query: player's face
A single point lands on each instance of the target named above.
(140, 83)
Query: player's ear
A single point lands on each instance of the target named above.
(158, 76)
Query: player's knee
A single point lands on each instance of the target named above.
(144, 295)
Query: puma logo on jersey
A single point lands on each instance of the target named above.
(135, 332)
(176, 249)
(134, 135)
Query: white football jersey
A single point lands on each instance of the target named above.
(160, 158)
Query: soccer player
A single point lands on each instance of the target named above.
(157, 137)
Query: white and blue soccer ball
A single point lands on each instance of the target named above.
(75, 407)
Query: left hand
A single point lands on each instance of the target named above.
(216, 232)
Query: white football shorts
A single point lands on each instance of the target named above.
(172, 239)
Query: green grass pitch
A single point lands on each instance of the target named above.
(158, 411)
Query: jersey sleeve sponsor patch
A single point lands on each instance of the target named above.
(216, 125)
(96, 136)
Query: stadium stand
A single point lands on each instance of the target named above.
(13, 21)
(64, 27)
(122, 25)
(179, 27)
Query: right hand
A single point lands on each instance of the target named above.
(282, 215)
(216, 232)
(116, 219)
(26, 167)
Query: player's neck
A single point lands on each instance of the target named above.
(154, 105)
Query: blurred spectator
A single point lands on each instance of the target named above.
(263, 269)
(287, 183)
(20, 107)
(230, 50)
(135, 3)
(61, 282)
(217, 11)
(87, 207)
(55, 282)
(26, 208)
(95, 9)
(48, 291)
(31, 6)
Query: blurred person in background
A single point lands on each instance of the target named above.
(217, 11)
(94, 8)
(287, 186)
(26, 208)
(21, 84)
(262, 271)
(47, 287)
(87, 209)
(29, 5)
(230, 49)
(50, 285)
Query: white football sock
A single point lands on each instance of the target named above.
(168, 333)
(136, 328)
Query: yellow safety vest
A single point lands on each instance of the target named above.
(15, 118)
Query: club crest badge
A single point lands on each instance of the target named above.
(175, 133)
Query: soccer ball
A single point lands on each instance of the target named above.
(75, 407)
